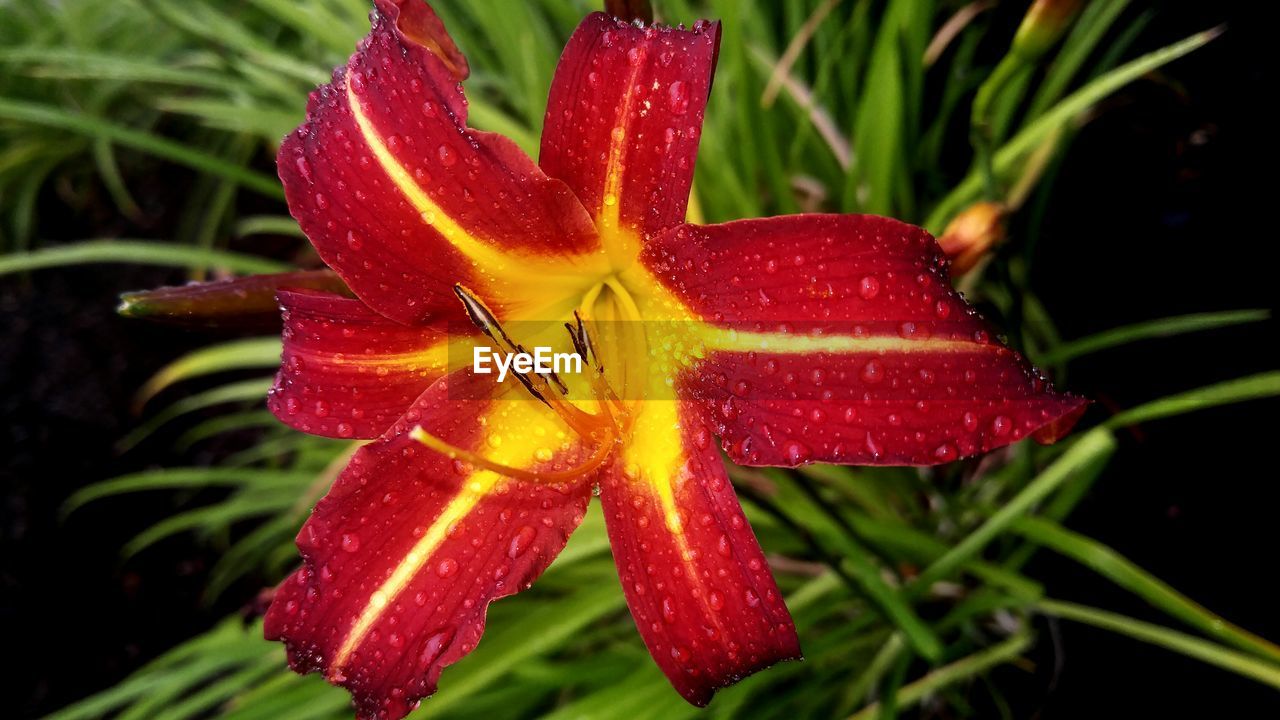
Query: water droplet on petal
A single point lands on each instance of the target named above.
(678, 98)
(869, 287)
(520, 543)
(447, 567)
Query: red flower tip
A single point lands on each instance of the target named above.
(418, 23)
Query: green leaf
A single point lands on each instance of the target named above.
(235, 355)
(139, 252)
(212, 517)
(1071, 107)
(1083, 453)
(1121, 571)
(244, 391)
(1193, 647)
(1253, 387)
(174, 478)
(94, 127)
(506, 647)
(958, 671)
(1164, 327)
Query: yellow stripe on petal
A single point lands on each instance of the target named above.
(730, 340)
(515, 432)
(433, 359)
(431, 213)
(655, 457)
(621, 243)
(534, 273)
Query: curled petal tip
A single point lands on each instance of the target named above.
(417, 21)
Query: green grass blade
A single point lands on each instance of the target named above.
(268, 225)
(49, 116)
(1193, 647)
(72, 64)
(136, 252)
(1030, 137)
(952, 673)
(180, 478)
(244, 391)
(1254, 387)
(1164, 327)
(1120, 570)
(1083, 453)
(261, 352)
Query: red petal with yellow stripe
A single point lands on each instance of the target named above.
(403, 200)
(347, 371)
(838, 338)
(405, 553)
(624, 118)
(694, 576)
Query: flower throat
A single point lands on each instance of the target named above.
(605, 428)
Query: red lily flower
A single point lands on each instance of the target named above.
(813, 338)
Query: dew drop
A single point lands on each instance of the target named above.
(869, 287)
(1001, 425)
(521, 542)
(447, 567)
(447, 157)
(797, 452)
(357, 83)
(678, 98)
(873, 372)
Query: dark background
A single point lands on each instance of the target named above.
(1165, 205)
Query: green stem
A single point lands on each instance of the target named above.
(980, 122)
(952, 673)
(1121, 571)
(1193, 647)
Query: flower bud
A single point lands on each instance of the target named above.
(1043, 24)
(972, 234)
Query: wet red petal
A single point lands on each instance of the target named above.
(240, 302)
(624, 118)
(347, 371)
(850, 346)
(694, 576)
(401, 198)
(419, 23)
(405, 553)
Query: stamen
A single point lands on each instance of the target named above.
(602, 428)
(597, 458)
